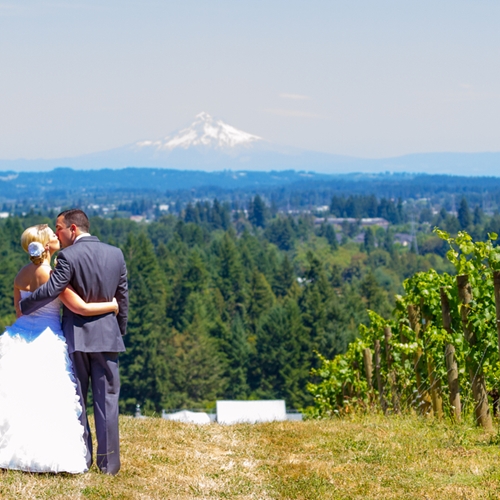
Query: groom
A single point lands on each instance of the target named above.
(97, 272)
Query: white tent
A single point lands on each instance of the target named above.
(186, 416)
(233, 412)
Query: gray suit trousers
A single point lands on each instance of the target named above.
(102, 369)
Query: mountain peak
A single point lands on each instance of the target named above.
(206, 132)
(204, 116)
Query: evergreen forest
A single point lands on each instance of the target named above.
(229, 303)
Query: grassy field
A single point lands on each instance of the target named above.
(360, 457)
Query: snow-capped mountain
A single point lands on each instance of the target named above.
(205, 131)
(209, 144)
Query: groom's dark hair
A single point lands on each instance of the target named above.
(77, 217)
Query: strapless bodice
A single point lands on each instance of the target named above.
(31, 325)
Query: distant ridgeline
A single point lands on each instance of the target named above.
(291, 189)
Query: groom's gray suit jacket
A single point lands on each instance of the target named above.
(97, 273)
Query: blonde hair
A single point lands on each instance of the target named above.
(40, 233)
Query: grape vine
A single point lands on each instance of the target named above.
(443, 335)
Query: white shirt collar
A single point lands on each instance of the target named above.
(82, 235)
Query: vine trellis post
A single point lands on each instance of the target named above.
(496, 283)
(423, 397)
(434, 382)
(390, 370)
(368, 364)
(482, 409)
(451, 362)
(378, 374)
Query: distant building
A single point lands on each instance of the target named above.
(298, 212)
(323, 208)
(370, 221)
(4, 215)
(403, 239)
(137, 218)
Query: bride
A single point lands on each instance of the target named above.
(40, 430)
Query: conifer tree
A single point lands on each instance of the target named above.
(215, 215)
(388, 241)
(345, 312)
(281, 232)
(13, 259)
(192, 214)
(280, 365)
(162, 230)
(257, 212)
(145, 363)
(234, 351)
(284, 277)
(196, 369)
(260, 297)
(463, 215)
(369, 240)
(374, 295)
(13, 231)
(192, 234)
(246, 248)
(328, 232)
(478, 215)
(191, 279)
(229, 277)
(296, 369)
(168, 265)
(314, 301)
(220, 216)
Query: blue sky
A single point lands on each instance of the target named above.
(364, 78)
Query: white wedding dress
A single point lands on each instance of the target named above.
(39, 426)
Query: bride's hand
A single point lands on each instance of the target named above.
(115, 303)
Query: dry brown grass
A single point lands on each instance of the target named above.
(361, 457)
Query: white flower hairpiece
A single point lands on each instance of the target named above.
(35, 249)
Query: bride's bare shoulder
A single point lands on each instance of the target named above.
(24, 275)
(30, 275)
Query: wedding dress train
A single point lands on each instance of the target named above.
(39, 426)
